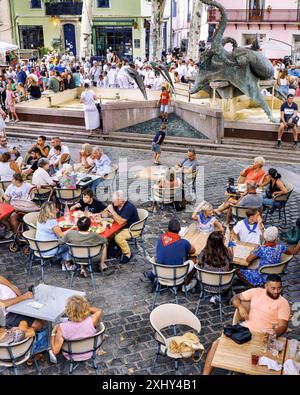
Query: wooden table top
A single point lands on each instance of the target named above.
(237, 357)
(241, 251)
(196, 238)
(154, 173)
(287, 352)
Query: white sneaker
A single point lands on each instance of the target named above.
(190, 286)
(52, 357)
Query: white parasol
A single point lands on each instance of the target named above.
(4, 47)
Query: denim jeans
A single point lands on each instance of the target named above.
(270, 202)
(95, 185)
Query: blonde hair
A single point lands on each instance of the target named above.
(205, 206)
(46, 211)
(87, 148)
(260, 161)
(66, 168)
(77, 308)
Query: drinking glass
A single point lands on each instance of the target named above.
(293, 348)
(254, 359)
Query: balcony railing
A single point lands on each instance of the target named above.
(64, 8)
(260, 15)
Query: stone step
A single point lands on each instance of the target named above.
(202, 149)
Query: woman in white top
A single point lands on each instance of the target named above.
(207, 223)
(7, 167)
(284, 81)
(91, 114)
(41, 175)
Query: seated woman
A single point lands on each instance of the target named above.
(82, 322)
(17, 190)
(8, 167)
(216, 257)
(207, 223)
(268, 254)
(169, 180)
(254, 172)
(85, 158)
(47, 228)
(276, 188)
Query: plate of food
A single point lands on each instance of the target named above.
(108, 220)
(97, 229)
(66, 224)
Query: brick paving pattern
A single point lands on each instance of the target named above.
(130, 347)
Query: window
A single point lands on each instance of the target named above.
(189, 11)
(31, 37)
(35, 4)
(174, 8)
(102, 3)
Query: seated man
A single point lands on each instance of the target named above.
(102, 166)
(124, 213)
(250, 229)
(35, 155)
(172, 250)
(41, 145)
(267, 307)
(289, 120)
(251, 199)
(11, 295)
(56, 158)
(17, 190)
(83, 237)
(189, 167)
(41, 176)
(88, 202)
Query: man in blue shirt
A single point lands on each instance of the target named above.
(124, 213)
(172, 250)
(293, 71)
(21, 75)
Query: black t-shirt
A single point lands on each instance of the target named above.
(34, 165)
(95, 207)
(128, 212)
(160, 136)
(35, 91)
(288, 110)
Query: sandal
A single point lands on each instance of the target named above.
(36, 358)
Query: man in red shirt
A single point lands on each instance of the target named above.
(164, 103)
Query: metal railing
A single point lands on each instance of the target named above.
(261, 15)
(64, 8)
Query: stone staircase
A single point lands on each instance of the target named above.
(229, 148)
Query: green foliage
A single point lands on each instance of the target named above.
(43, 51)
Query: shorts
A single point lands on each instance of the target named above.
(13, 320)
(156, 148)
(164, 108)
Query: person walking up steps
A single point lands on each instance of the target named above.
(164, 101)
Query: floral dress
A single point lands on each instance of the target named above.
(267, 256)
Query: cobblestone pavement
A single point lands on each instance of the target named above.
(130, 347)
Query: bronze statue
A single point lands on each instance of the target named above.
(243, 68)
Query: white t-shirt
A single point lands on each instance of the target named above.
(41, 177)
(54, 157)
(21, 192)
(6, 293)
(244, 234)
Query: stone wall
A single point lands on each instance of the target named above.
(208, 121)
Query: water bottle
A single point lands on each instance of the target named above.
(67, 213)
(272, 341)
(227, 236)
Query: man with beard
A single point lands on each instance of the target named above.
(267, 307)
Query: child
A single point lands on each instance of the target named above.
(105, 80)
(164, 102)
(55, 158)
(157, 142)
(11, 103)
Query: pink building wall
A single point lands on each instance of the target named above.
(281, 23)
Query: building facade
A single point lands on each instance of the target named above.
(120, 25)
(276, 24)
(181, 17)
(6, 23)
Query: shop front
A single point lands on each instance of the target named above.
(116, 35)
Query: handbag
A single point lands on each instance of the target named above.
(238, 333)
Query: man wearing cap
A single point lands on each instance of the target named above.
(289, 120)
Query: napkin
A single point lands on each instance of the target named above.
(291, 368)
(270, 363)
(35, 305)
(183, 231)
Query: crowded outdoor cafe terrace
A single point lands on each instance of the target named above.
(98, 271)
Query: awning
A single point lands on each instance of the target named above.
(4, 47)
